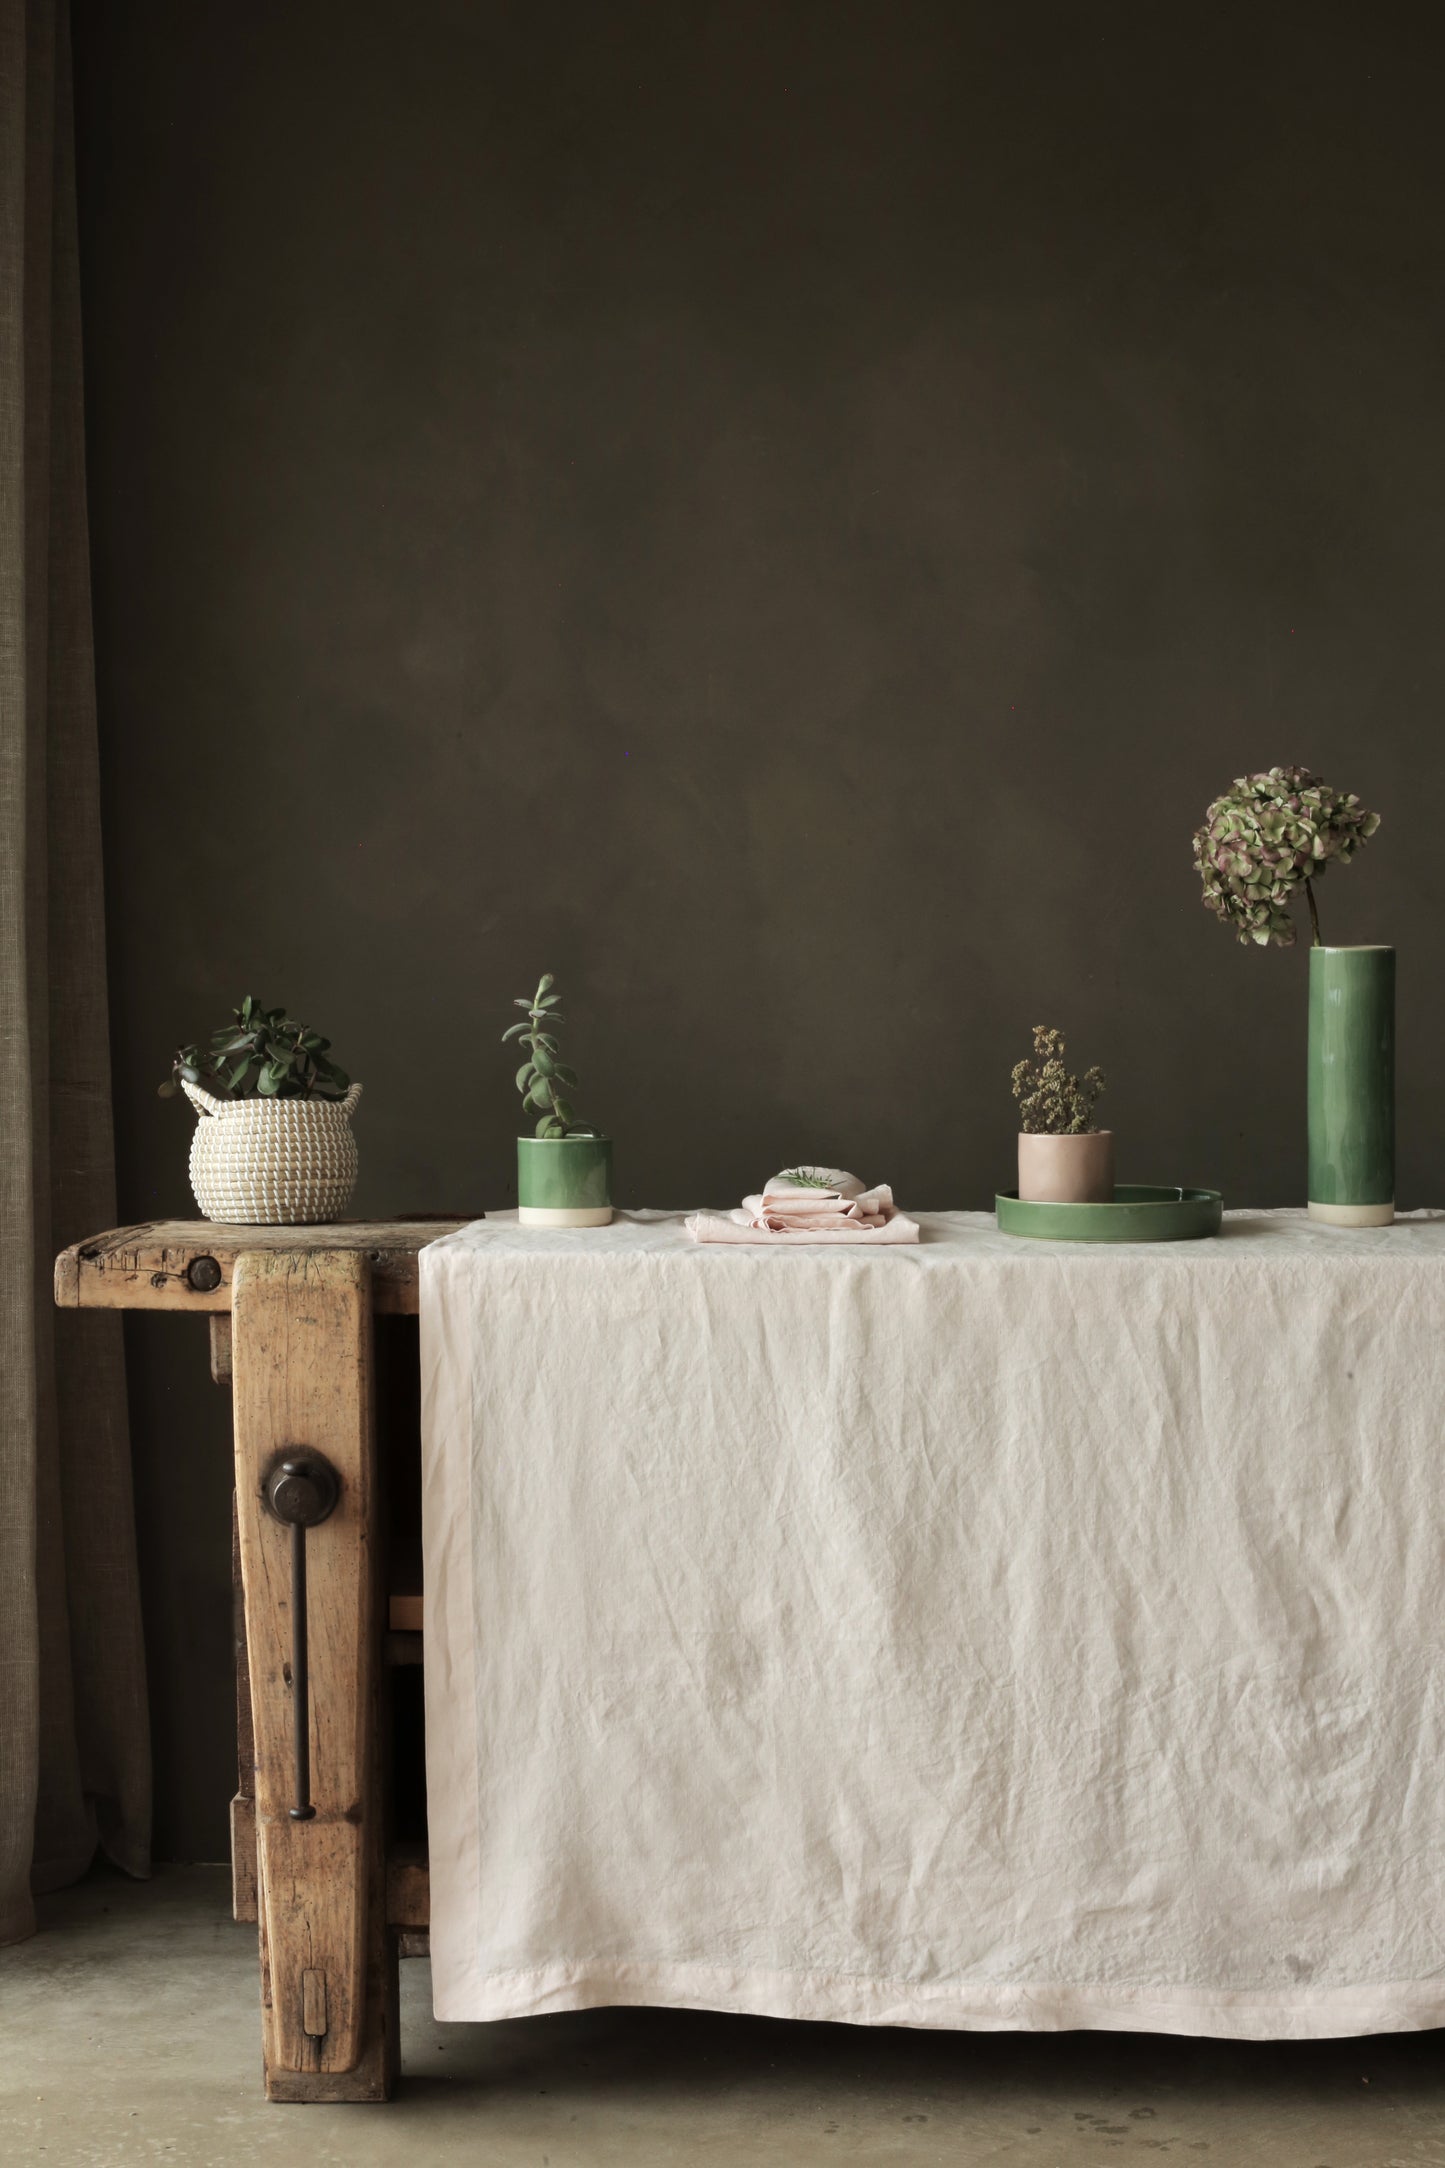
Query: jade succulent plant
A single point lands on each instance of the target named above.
(1052, 1103)
(262, 1053)
(1268, 836)
(544, 1079)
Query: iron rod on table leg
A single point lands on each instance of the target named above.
(303, 1811)
(301, 1490)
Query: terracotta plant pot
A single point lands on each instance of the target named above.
(1067, 1170)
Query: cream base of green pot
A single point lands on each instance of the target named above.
(572, 1215)
(1353, 1215)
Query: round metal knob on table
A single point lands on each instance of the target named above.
(204, 1275)
(302, 1490)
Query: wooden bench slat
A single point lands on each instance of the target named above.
(148, 1267)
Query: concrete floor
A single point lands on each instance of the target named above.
(128, 2033)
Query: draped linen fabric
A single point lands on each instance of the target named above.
(74, 1740)
(982, 1633)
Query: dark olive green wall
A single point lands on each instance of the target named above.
(782, 514)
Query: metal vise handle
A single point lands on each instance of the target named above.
(301, 1491)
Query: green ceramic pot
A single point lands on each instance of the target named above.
(564, 1181)
(1352, 1086)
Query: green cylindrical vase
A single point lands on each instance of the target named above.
(1352, 1086)
(564, 1181)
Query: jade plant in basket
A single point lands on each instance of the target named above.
(1063, 1158)
(273, 1143)
(564, 1169)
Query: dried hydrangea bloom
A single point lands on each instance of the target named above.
(1052, 1103)
(1268, 836)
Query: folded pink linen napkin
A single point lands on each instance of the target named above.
(790, 1211)
(785, 1211)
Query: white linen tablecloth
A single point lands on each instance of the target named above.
(985, 1634)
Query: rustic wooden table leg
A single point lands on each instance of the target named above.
(302, 1381)
(243, 1805)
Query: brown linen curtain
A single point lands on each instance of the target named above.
(74, 1740)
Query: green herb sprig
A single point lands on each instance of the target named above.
(544, 1079)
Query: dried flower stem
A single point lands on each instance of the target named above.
(1053, 1103)
(1269, 835)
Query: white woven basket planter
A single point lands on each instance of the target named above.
(272, 1162)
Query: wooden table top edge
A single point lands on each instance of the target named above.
(187, 1265)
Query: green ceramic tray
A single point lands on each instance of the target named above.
(1140, 1212)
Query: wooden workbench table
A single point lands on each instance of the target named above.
(291, 1312)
